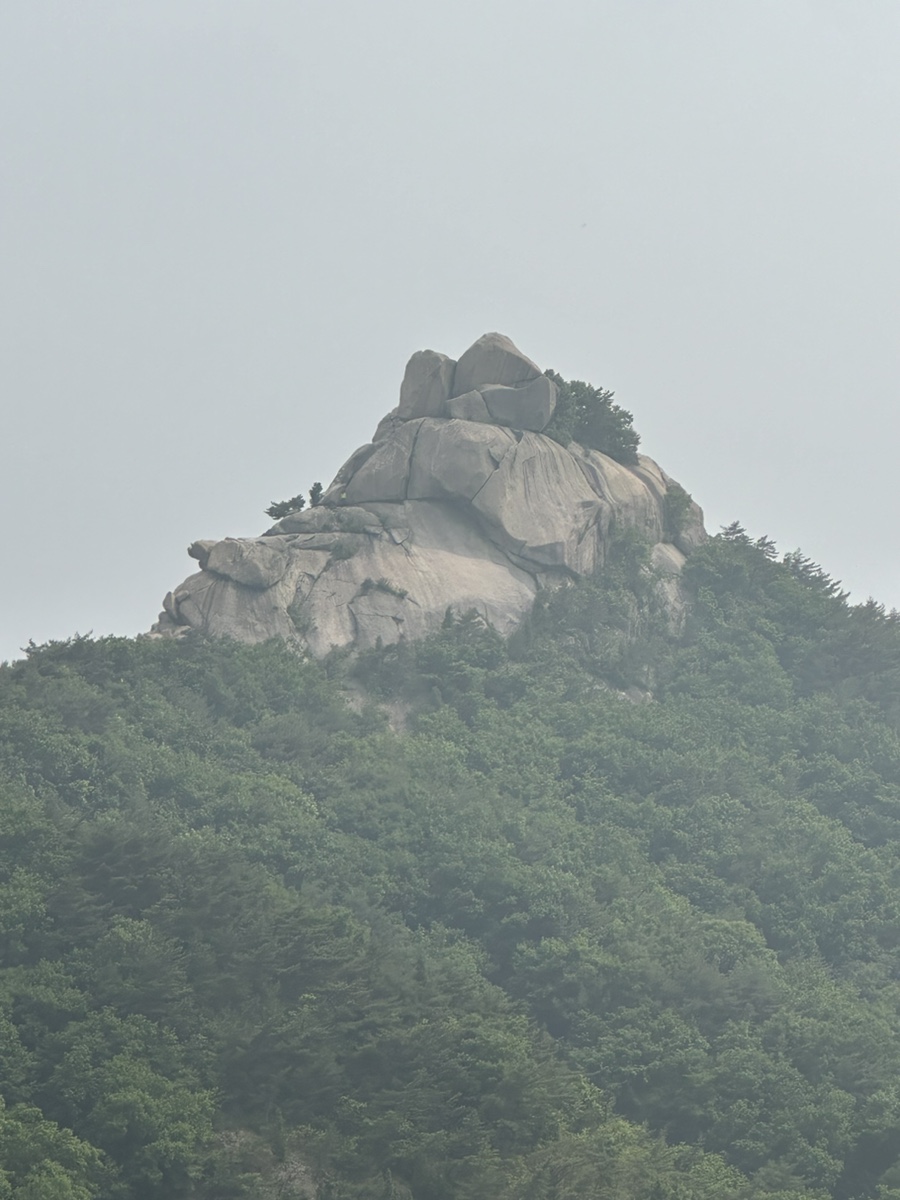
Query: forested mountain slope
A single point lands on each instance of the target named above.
(607, 910)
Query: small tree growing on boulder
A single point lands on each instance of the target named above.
(589, 415)
(283, 508)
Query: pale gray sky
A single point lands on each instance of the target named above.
(226, 224)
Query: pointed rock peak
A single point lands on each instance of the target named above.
(460, 501)
(493, 359)
(493, 382)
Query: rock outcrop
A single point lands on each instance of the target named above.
(459, 502)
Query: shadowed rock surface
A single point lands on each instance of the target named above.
(459, 502)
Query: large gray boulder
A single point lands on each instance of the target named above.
(458, 503)
(453, 460)
(426, 385)
(528, 406)
(254, 562)
(492, 359)
(470, 407)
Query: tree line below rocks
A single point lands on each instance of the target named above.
(614, 916)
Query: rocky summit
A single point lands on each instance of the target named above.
(459, 502)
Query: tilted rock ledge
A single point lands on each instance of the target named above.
(459, 501)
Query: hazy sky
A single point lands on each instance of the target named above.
(226, 224)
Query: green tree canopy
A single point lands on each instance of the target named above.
(588, 415)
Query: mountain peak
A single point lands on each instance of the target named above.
(461, 501)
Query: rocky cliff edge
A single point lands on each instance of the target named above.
(459, 502)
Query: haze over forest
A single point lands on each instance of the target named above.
(486, 829)
(225, 226)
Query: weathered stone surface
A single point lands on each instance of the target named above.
(335, 490)
(386, 425)
(200, 550)
(538, 505)
(452, 460)
(322, 518)
(222, 608)
(651, 474)
(691, 532)
(390, 515)
(445, 562)
(330, 540)
(470, 407)
(632, 504)
(169, 607)
(384, 474)
(252, 562)
(492, 359)
(426, 385)
(471, 509)
(528, 406)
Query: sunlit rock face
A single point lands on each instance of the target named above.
(459, 502)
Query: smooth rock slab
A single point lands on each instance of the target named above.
(453, 460)
(384, 474)
(334, 493)
(539, 505)
(253, 563)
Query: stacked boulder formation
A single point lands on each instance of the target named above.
(459, 502)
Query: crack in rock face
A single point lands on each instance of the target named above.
(459, 502)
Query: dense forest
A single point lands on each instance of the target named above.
(607, 911)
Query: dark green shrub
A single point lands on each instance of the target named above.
(588, 415)
(677, 505)
(283, 508)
